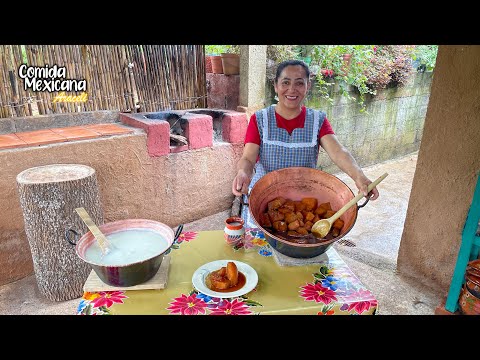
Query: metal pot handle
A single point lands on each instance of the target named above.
(67, 235)
(366, 201)
(242, 202)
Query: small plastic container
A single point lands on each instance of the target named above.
(234, 231)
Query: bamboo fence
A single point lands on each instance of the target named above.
(126, 78)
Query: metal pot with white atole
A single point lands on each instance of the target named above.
(138, 248)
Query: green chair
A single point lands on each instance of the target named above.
(469, 249)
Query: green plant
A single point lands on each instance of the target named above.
(425, 55)
(366, 68)
(278, 53)
(390, 65)
(345, 63)
(220, 49)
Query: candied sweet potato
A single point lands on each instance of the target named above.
(275, 215)
(299, 215)
(320, 211)
(302, 231)
(310, 203)
(328, 214)
(280, 225)
(299, 206)
(326, 205)
(308, 225)
(294, 225)
(275, 204)
(289, 205)
(308, 216)
(290, 217)
(265, 220)
(284, 210)
(338, 224)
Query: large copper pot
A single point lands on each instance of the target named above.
(296, 183)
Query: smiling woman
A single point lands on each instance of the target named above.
(290, 135)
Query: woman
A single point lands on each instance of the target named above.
(288, 134)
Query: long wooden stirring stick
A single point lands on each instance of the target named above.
(101, 239)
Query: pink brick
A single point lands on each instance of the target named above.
(158, 133)
(223, 91)
(234, 127)
(158, 138)
(199, 131)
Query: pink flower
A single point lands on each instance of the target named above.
(187, 236)
(232, 308)
(363, 300)
(187, 305)
(318, 293)
(361, 306)
(248, 241)
(107, 298)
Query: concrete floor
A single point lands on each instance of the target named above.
(376, 237)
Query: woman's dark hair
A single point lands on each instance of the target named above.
(286, 63)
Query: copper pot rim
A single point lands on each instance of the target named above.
(322, 243)
(87, 239)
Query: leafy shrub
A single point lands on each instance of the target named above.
(221, 49)
(278, 53)
(391, 65)
(426, 55)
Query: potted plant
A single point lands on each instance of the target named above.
(231, 60)
(225, 59)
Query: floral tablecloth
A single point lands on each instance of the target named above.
(328, 288)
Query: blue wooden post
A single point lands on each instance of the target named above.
(469, 249)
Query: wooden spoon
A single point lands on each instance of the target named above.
(322, 227)
(104, 244)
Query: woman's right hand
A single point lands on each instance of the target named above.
(240, 183)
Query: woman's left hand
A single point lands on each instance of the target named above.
(362, 183)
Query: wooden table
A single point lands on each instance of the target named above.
(328, 288)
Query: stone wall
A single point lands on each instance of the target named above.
(391, 127)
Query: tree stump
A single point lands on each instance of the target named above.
(48, 197)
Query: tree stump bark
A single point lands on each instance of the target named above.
(48, 197)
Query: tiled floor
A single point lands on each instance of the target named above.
(49, 136)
